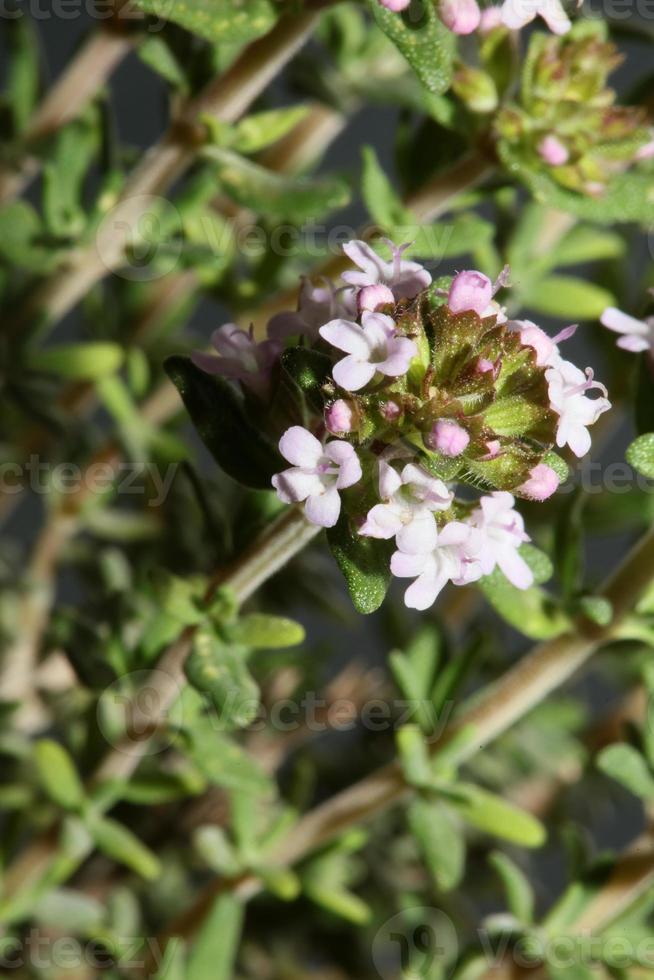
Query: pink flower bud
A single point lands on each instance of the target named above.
(490, 19)
(460, 16)
(339, 417)
(470, 292)
(532, 336)
(493, 448)
(372, 297)
(391, 411)
(395, 5)
(542, 483)
(447, 437)
(553, 151)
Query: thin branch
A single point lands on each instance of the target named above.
(78, 85)
(226, 98)
(483, 719)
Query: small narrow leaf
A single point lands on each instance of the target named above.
(493, 815)
(58, 775)
(120, 844)
(216, 948)
(440, 841)
(629, 768)
(519, 893)
(640, 454)
(263, 632)
(422, 38)
(364, 562)
(220, 670)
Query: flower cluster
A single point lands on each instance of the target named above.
(411, 388)
(566, 122)
(465, 16)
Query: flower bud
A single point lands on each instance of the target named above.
(553, 151)
(447, 437)
(476, 89)
(460, 16)
(470, 292)
(541, 484)
(493, 448)
(390, 411)
(395, 5)
(339, 417)
(372, 297)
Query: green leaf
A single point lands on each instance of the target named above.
(21, 233)
(58, 775)
(173, 966)
(69, 911)
(531, 611)
(157, 54)
(414, 756)
(218, 414)
(220, 671)
(22, 84)
(227, 22)
(519, 893)
(597, 609)
(493, 815)
(263, 632)
(422, 38)
(84, 361)
(309, 370)
(640, 454)
(120, 844)
(627, 766)
(568, 298)
(440, 840)
(414, 672)
(261, 129)
(588, 244)
(215, 849)
(223, 762)
(364, 562)
(384, 205)
(277, 196)
(64, 173)
(216, 947)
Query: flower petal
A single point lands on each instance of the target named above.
(296, 484)
(347, 336)
(515, 568)
(424, 591)
(300, 447)
(623, 323)
(383, 521)
(323, 508)
(353, 374)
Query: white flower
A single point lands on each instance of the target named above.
(637, 335)
(517, 13)
(371, 348)
(567, 390)
(317, 304)
(435, 557)
(546, 347)
(410, 498)
(317, 474)
(405, 279)
(502, 532)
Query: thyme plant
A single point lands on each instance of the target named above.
(252, 376)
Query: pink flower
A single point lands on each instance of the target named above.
(502, 532)
(470, 292)
(567, 390)
(404, 278)
(646, 152)
(547, 351)
(517, 13)
(491, 18)
(339, 417)
(317, 474)
(435, 558)
(541, 484)
(395, 5)
(447, 437)
(240, 358)
(372, 297)
(316, 305)
(409, 498)
(371, 348)
(553, 151)
(460, 16)
(638, 335)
